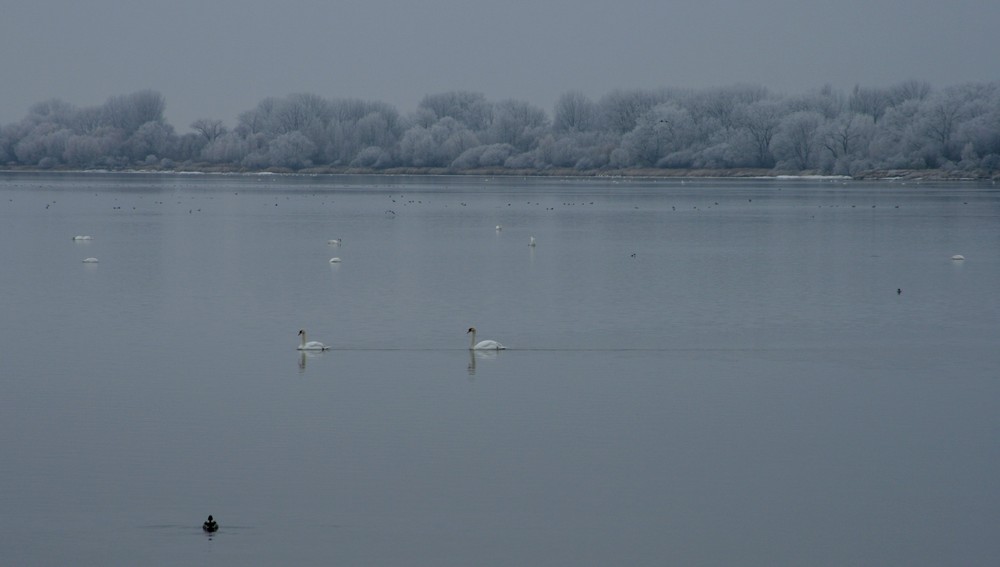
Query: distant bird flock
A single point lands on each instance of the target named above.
(484, 345)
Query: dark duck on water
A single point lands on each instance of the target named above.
(210, 525)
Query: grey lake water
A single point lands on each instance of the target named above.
(716, 372)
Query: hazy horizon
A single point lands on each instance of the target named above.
(219, 59)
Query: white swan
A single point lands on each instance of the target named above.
(334, 260)
(483, 345)
(532, 241)
(334, 242)
(90, 260)
(958, 257)
(78, 237)
(499, 228)
(311, 345)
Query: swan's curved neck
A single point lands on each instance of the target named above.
(303, 338)
(472, 343)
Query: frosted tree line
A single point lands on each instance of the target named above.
(909, 125)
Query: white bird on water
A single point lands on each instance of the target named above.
(532, 241)
(334, 242)
(958, 257)
(90, 260)
(310, 345)
(78, 237)
(483, 345)
(334, 260)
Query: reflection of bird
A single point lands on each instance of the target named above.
(481, 354)
(311, 345)
(210, 525)
(483, 345)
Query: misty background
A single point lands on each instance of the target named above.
(217, 59)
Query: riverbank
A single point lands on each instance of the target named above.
(869, 175)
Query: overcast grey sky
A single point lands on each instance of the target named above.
(217, 58)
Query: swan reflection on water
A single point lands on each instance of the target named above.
(475, 355)
(307, 354)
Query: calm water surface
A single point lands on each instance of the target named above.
(698, 373)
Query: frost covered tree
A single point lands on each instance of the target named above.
(258, 120)
(129, 112)
(292, 150)
(909, 90)
(469, 109)
(358, 125)
(46, 143)
(300, 113)
(83, 150)
(845, 140)
(796, 140)
(436, 146)
(53, 111)
(721, 105)
(491, 155)
(373, 157)
(229, 147)
(871, 101)
(943, 112)
(153, 138)
(659, 137)
(209, 128)
(517, 123)
(574, 112)
(619, 111)
(906, 125)
(981, 136)
(757, 123)
(826, 101)
(897, 141)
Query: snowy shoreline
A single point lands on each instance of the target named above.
(748, 173)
